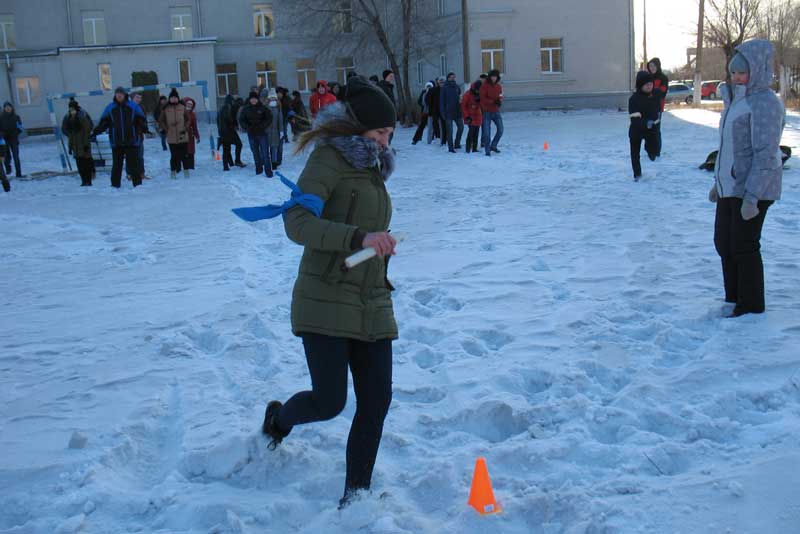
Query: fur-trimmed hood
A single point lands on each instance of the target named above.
(358, 151)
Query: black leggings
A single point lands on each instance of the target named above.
(371, 366)
(636, 136)
(177, 155)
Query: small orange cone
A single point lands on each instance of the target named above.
(217, 156)
(546, 145)
(481, 496)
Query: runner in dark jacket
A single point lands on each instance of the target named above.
(124, 120)
(10, 129)
(660, 89)
(644, 110)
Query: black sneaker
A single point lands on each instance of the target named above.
(270, 426)
(240, 164)
(495, 150)
(259, 170)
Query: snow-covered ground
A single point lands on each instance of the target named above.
(556, 318)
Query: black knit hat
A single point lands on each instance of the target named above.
(174, 93)
(73, 104)
(643, 78)
(386, 73)
(253, 94)
(368, 103)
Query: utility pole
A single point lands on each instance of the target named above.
(698, 57)
(644, 39)
(465, 38)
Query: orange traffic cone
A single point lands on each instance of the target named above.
(546, 146)
(217, 156)
(481, 496)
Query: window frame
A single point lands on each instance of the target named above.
(492, 58)
(33, 99)
(86, 17)
(441, 8)
(305, 71)
(181, 12)
(110, 85)
(343, 70)
(550, 50)
(420, 71)
(442, 64)
(188, 69)
(226, 76)
(344, 18)
(260, 12)
(267, 73)
(4, 33)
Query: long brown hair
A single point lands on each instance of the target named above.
(340, 125)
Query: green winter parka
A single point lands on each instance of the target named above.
(348, 174)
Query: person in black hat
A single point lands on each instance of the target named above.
(77, 127)
(644, 108)
(255, 119)
(344, 316)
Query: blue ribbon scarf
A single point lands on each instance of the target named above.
(312, 203)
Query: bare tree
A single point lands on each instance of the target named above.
(780, 24)
(698, 60)
(730, 22)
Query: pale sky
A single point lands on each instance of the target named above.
(670, 24)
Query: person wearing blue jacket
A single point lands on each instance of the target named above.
(124, 121)
(748, 173)
(450, 108)
(10, 129)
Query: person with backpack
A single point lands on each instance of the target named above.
(473, 117)
(660, 88)
(175, 120)
(644, 111)
(491, 100)
(77, 128)
(124, 120)
(425, 113)
(344, 316)
(194, 133)
(11, 128)
(256, 119)
(450, 104)
(748, 173)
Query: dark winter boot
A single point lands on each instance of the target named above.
(6, 185)
(259, 170)
(270, 427)
(751, 284)
(240, 164)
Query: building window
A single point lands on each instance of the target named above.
(442, 65)
(306, 75)
(94, 28)
(227, 79)
(440, 7)
(493, 55)
(8, 37)
(104, 72)
(266, 74)
(263, 20)
(420, 71)
(184, 70)
(28, 91)
(552, 52)
(343, 19)
(344, 66)
(181, 18)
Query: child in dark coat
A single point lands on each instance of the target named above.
(644, 108)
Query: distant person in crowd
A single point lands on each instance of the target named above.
(334, 88)
(425, 113)
(11, 128)
(226, 125)
(450, 103)
(491, 100)
(162, 102)
(644, 107)
(286, 106)
(374, 79)
(321, 99)
(298, 115)
(439, 124)
(473, 117)
(256, 119)
(3, 178)
(748, 173)
(660, 88)
(136, 98)
(77, 128)
(276, 130)
(124, 120)
(194, 134)
(174, 120)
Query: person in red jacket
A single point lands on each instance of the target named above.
(321, 99)
(660, 88)
(194, 134)
(491, 98)
(473, 117)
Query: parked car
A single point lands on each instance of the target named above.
(709, 89)
(679, 92)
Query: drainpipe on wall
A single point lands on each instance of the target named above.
(70, 40)
(199, 19)
(9, 68)
(465, 37)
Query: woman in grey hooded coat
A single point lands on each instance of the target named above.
(748, 173)
(277, 131)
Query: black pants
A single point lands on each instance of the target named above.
(636, 136)
(237, 141)
(442, 129)
(459, 131)
(177, 154)
(12, 150)
(188, 161)
(371, 366)
(657, 129)
(120, 154)
(3, 180)
(86, 169)
(738, 243)
(227, 159)
(472, 138)
(423, 121)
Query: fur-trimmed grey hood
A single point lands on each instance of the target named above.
(360, 152)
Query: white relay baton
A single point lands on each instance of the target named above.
(363, 255)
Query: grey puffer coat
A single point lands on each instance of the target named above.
(749, 163)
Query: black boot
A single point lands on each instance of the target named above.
(750, 298)
(240, 164)
(270, 427)
(6, 185)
